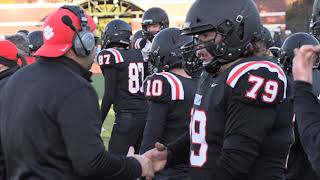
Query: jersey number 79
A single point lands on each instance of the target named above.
(199, 150)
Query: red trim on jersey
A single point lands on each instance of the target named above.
(175, 83)
(245, 67)
(137, 43)
(118, 58)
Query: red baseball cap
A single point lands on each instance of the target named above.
(8, 50)
(57, 37)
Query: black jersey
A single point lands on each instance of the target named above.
(299, 166)
(123, 70)
(170, 99)
(140, 43)
(236, 131)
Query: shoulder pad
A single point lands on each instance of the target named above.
(140, 43)
(109, 57)
(137, 43)
(164, 87)
(258, 82)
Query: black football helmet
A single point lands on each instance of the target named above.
(267, 38)
(237, 21)
(135, 37)
(116, 32)
(35, 40)
(315, 20)
(154, 15)
(166, 52)
(294, 41)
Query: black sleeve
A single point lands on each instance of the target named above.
(110, 87)
(179, 150)
(307, 112)
(2, 165)
(80, 124)
(245, 129)
(156, 122)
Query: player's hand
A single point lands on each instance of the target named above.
(303, 62)
(146, 164)
(158, 156)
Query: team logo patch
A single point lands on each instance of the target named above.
(48, 32)
(197, 100)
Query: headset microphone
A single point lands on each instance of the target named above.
(67, 21)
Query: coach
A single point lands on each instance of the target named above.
(50, 119)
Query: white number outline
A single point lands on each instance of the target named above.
(199, 159)
(266, 97)
(134, 81)
(154, 88)
(103, 57)
(271, 89)
(257, 83)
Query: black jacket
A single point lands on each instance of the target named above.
(298, 164)
(4, 76)
(50, 126)
(306, 108)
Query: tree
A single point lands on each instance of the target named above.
(298, 16)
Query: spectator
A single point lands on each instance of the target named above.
(8, 66)
(306, 104)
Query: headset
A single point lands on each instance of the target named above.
(84, 41)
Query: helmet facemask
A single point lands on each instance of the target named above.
(315, 30)
(221, 47)
(150, 34)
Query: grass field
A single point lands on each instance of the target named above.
(98, 83)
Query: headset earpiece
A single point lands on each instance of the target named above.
(83, 41)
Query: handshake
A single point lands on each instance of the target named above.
(151, 161)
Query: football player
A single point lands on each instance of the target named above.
(123, 70)
(153, 21)
(267, 38)
(299, 166)
(135, 40)
(236, 130)
(170, 92)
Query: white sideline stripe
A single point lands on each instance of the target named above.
(33, 5)
(26, 23)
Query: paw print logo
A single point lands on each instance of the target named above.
(48, 32)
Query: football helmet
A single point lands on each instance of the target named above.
(154, 15)
(267, 38)
(166, 50)
(135, 37)
(35, 40)
(237, 21)
(116, 32)
(294, 41)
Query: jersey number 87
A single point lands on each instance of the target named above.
(135, 77)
